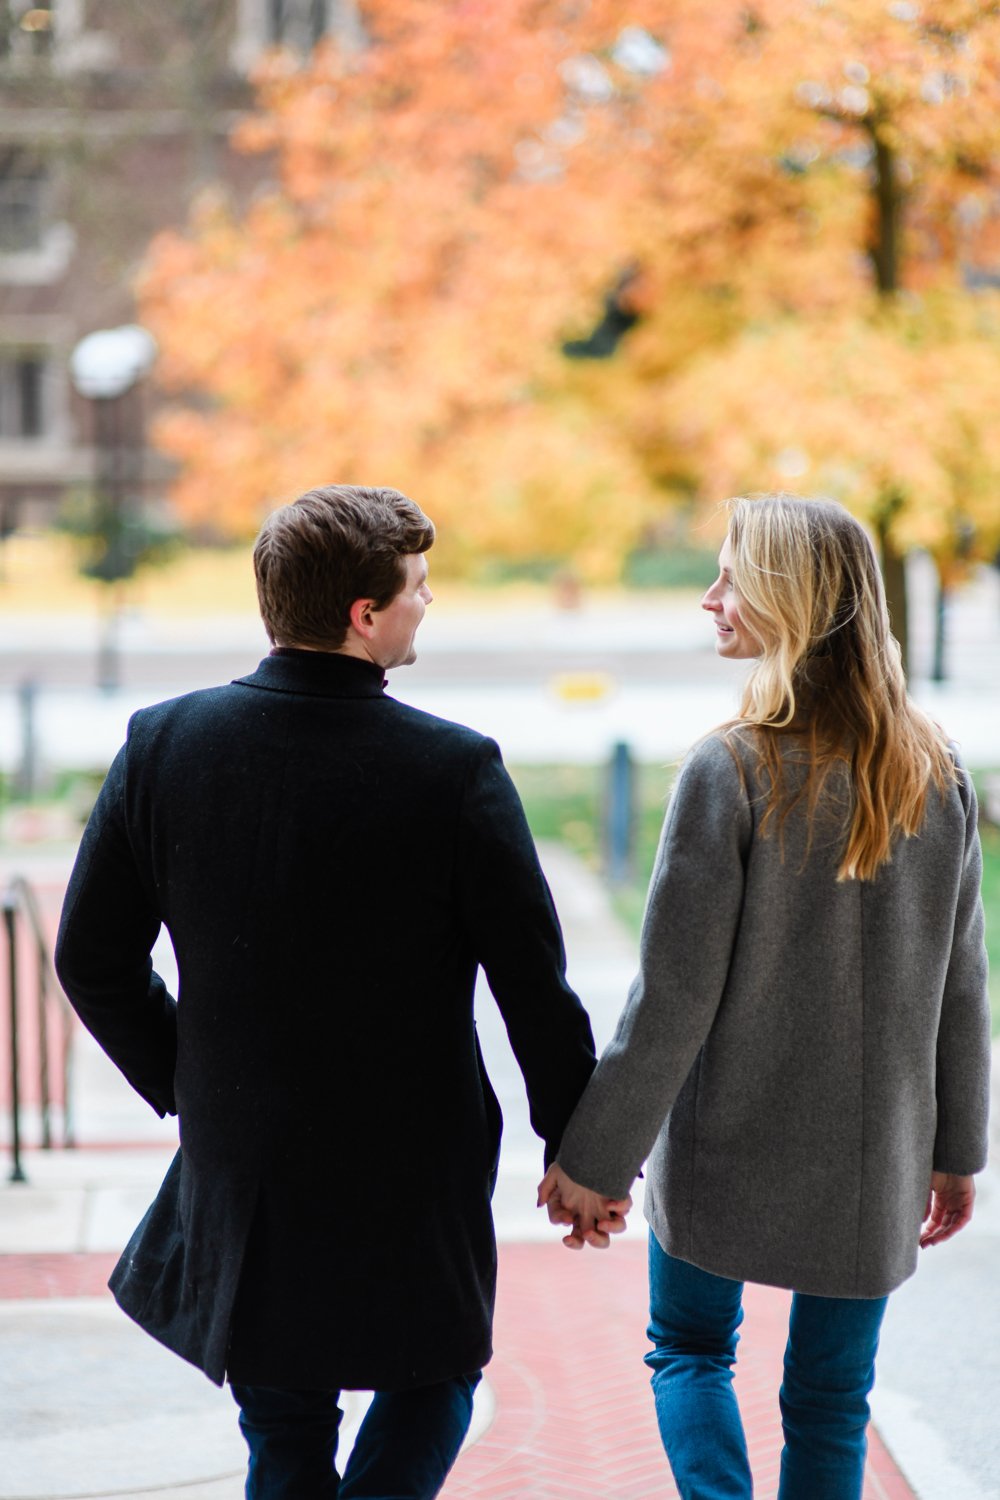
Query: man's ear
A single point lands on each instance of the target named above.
(362, 611)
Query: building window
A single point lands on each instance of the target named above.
(26, 30)
(277, 19)
(319, 19)
(22, 394)
(296, 23)
(23, 201)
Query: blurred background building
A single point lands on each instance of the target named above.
(112, 116)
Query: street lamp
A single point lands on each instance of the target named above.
(104, 367)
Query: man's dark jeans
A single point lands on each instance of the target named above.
(404, 1450)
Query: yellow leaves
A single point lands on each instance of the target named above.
(859, 410)
(540, 480)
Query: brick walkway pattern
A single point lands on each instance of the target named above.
(574, 1414)
(574, 1410)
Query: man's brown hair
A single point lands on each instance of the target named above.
(331, 546)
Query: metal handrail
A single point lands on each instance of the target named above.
(20, 898)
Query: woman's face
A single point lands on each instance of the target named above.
(732, 637)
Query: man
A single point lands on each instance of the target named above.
(332, 866)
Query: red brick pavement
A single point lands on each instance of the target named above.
(574, 1411)
(51, 1275)
(574, 1415)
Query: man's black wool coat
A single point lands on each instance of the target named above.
(332, 867)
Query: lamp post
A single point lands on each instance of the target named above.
(104, 367)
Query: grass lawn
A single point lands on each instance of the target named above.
(565, 802)
(39, 574)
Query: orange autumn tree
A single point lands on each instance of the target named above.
(840, 187)
(896, 409)
(457, 194)
(393, 309)
(443, 217)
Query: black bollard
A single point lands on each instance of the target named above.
(620, 815)
(10, 922)
(26, 778)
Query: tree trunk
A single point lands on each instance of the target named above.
(884, 254)
(894, 575)
(884, 248)
(939, 664)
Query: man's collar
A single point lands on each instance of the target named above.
(323, 674)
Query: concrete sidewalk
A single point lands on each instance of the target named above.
(92, 1408)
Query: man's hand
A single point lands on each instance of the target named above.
(949, 1207)
(593, 1217)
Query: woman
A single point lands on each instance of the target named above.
(804, 1056)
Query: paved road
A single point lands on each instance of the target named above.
(549, 685)
(656, 638)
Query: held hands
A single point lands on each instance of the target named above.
(594, 1219)
(949, 1207)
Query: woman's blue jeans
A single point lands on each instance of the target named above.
(405, 1447)
(829, 1371)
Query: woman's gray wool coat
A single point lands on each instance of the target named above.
(797, 1053)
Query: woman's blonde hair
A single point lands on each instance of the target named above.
(829, 673)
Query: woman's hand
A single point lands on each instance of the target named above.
(949, 1207)
(594, 1218)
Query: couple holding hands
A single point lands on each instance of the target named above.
(801, 1066)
